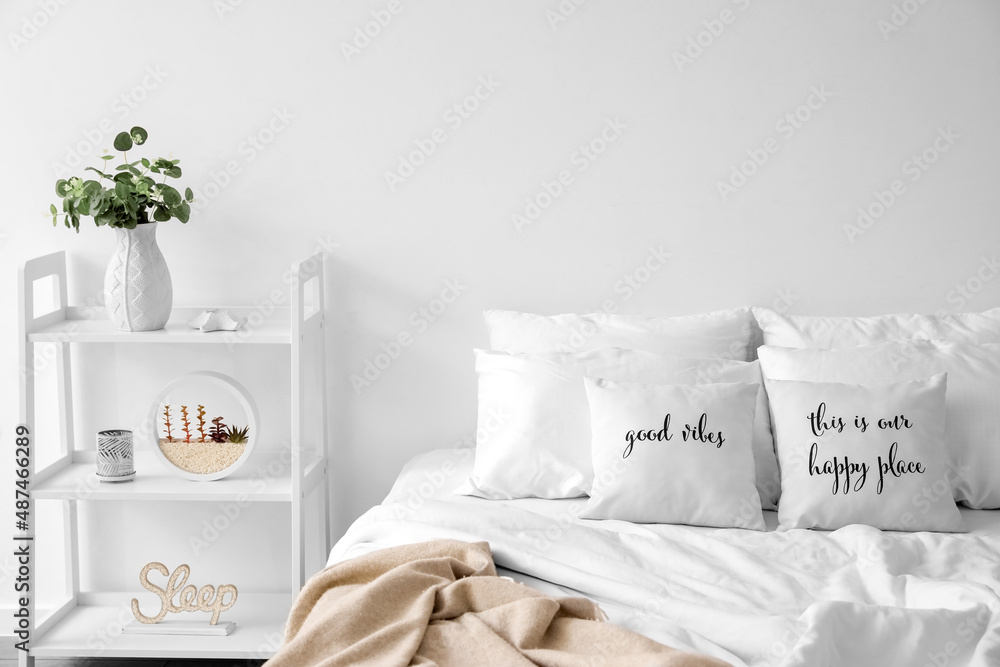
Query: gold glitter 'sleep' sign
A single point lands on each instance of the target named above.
(189, 598)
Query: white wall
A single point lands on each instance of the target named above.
(228, 75)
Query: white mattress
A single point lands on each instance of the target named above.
(855, 596)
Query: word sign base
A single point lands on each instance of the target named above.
(193, 628)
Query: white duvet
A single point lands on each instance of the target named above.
(855, 596)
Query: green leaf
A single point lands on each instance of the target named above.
(53, 210)
(188, 195)
(121, 167)
(123, 142)
(170, 196)
(107, 157)
(183, 212)
(173, 172)
(161, 214)
(153, 168)
(92, 188)
(97, 171)
(145, 163)
(139, 135)
(123, 177)
(62, 187)
(54, 219)
(122, 191)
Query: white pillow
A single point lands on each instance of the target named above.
(972, 426)
(725, 333)
(832, 332)
(673, 453)
(533, 429)
(868, 454)
(534, 422)
(654, 368)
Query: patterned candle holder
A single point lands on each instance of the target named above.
(115, 461)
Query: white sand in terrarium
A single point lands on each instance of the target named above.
(201, 457)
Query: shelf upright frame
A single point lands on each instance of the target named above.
(63, 325)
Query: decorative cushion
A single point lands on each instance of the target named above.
(972, 424)
(673, 453)
(869, 454)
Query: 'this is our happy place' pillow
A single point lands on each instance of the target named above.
(866, 454)
(673, 453)
(972, 404)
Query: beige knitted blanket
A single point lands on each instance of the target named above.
(441, 603)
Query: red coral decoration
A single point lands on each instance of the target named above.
(201, 423)
(166, 421)
(187, 424)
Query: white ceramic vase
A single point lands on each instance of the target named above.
(137, 289)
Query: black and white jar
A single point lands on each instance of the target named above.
(115, 461)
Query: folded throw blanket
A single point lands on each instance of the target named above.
(441, 603)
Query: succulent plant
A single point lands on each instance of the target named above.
(238, 435)
(218, 430)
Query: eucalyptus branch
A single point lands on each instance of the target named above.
(133, 195)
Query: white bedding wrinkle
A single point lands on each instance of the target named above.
(854, 596)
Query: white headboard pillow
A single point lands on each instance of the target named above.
(833, 332)
(725, 334)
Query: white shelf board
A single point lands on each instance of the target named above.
(276, 330)
(92, 629)
(153, 482)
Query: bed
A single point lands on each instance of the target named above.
(854, 596)
(828, 497)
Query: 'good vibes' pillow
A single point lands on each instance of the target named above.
(673, 453)
(868, 454)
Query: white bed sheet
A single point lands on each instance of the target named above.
(855, 596)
